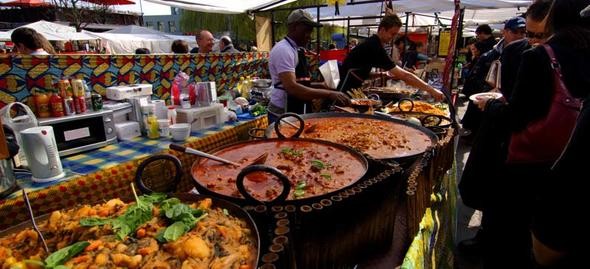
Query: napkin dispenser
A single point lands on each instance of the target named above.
(128, 91)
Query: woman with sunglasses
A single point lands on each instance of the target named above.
(536, 143)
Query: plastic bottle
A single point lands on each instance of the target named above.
(56, 104)
(248, 84)
(171, 115)
(88, 97)
(153, 128)
(42, 103)
(240, 86)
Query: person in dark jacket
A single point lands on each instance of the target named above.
(521, 180)
(556, 242)
(226, 46)
(483, 34)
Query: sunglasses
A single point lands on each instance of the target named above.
(530, 34)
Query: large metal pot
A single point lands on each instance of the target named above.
(231, 208)
(423, 136)
(229, 182)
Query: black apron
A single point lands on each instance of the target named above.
(294, 104)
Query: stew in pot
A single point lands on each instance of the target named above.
(312, 168)
(378, 138)
(154, 233)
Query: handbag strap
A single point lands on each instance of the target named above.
(560, 85)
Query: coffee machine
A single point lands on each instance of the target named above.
(126, 102)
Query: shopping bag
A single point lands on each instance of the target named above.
(330, 73)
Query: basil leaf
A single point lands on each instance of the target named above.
(63, 255)
(168, 203)
(87, 222)
(61, 267)
(154, 198)
(197, 212)
(179, 212)
(160, 236)
(175, 231)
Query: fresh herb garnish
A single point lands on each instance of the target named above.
(290, 152)
(183, 216)
(326, 176)
(300, 189)
(317, 165)
(135, 215)
(225, 212)
(61, 256)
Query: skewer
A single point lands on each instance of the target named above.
(26, 197)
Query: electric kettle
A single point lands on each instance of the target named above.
(42, 154)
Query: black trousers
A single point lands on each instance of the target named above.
(508, 210)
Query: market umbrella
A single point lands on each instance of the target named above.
(111, 2)
(25, 3)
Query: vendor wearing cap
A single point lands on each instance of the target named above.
(288, 95)
(371, 54)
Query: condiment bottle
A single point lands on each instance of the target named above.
(57, 107)
(172, 115)
(153, 131)
(42, 102)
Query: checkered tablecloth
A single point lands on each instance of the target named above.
(106, 173)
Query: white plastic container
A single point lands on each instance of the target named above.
(180, 131)
(164, 128)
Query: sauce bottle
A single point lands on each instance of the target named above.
(42, 102)
(56, 104)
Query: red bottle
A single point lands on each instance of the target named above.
(56, 104)
(80, 103)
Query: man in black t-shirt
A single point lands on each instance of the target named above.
(371, 54)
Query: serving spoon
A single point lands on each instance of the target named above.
(258, 160)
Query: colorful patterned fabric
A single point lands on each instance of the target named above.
(106, 173)
(19, 75)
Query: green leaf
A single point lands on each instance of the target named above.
(289, 152)
(179, 211)
(299, 193)
(300, 185)
(168, 203)
(175, 231)
(34, 262)
(61, 267)
(197, 212)
(63, 255)
(87, 222)
(326, 176)
(318, 164)
(154, 198)
(160, 236)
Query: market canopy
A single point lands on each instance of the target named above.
(110, 2)
(224, 6)
(55, 31)
(26, 3)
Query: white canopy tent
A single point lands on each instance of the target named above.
(225, 6)
(52, 31)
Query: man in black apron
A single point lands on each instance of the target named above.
(289, 95)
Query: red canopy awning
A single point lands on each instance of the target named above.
(111, 2)
(25, 3)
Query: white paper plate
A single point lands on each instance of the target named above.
(485, 95)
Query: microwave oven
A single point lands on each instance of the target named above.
(82, 132)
